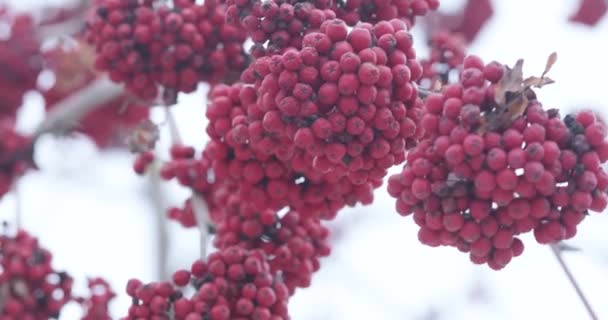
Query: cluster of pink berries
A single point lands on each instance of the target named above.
(173, 48)
(355, 11)
(447, 52)
(478, 179)
(30, 287)
(234, 283)
(277, 24)
(15, 154)
(345, 105)
(96, 306)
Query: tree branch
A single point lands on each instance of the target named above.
(201, 213)
(65, 114)
(555, 248)
(158, 201)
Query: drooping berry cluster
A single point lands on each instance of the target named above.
(344, 105)
(590, 12)
(72, 68)
(467, 23)
(233, 283)
(481, 178)
(173, 48)
(447, 52)
(29, 285)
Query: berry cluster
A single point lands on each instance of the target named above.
(293, 243)
(590, 12)
(478, 179)
(345, 105)
(355, 11)
(15, 155)
(107, 124)
(233, 283)
(447, 52)
(277, 24)
(467, 23)
(29, 285)
(20, 61)
(173, 48)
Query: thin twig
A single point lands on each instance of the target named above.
(558, 255)
(158, 200)
(18, 206)
(176, 137)
(201, 213)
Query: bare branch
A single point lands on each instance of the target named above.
(558, 255)
(65, 114)
(201, 213)
(158, 201)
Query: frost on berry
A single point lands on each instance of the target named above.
(233, 283)
(149, 47)
(495, 164)
(29, 285)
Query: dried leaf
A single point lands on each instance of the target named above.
(144, 137)
(550, 62)
(516, 107)
(537, 82)
(512, 81)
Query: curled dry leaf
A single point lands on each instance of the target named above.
(144, 137)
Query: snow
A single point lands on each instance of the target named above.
(94, 214)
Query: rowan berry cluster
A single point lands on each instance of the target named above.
(442, 66)
(173, 48)
(234, 283)
(484, 174)
(29, 285)
(20, 61)
(345, 105)
(355, 11)
(96, 306)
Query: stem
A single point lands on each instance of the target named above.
(18, 207)
(199, 206)
(560, 259)
(158, 201)
(65, 114)
(201, 212)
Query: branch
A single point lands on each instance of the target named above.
(65, 114)
(201, 213)
(199, 206)
(555, 248)
(158, 201)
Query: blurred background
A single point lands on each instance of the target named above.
(99, 219)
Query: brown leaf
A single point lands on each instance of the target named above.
(512, 81)
(537, 82)
(517, 107)
(550, 62)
